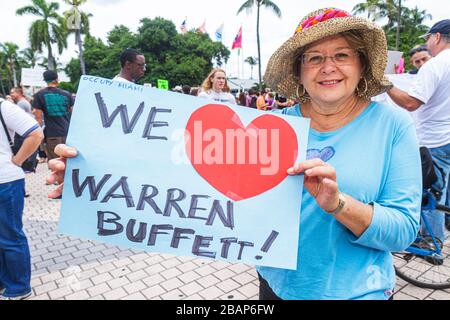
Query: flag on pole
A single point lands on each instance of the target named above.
(183, 26)
(237, 43)
(202, 28)
(219, 33)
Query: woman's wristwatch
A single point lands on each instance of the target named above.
(341, 205)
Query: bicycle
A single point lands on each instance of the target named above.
(426, 263)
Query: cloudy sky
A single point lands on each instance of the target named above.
(274, 31)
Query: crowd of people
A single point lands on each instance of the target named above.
(216, 87)
(329, 71)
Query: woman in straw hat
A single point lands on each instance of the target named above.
(362, 174)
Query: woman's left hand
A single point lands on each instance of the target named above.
(320, 181)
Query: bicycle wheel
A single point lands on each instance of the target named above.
(426, 272)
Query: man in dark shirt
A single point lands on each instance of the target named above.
(53, 105)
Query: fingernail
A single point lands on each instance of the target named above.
(308, 172)
(291, 171)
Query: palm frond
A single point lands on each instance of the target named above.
(271, 5)
(29, 10)
(75, 3)
(53, 7)
(39, 35)
(247, 6)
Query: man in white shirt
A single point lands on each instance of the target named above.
(15, 265)
(430, 95)
(133, 66)
(20, 100)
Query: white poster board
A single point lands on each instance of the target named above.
(34, 77)
(393, 61)
(184, 195)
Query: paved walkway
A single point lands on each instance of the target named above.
(75, 269)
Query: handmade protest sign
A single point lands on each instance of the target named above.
(165, 172)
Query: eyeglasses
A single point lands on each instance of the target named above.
(341, 58)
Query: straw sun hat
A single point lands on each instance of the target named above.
(318, 25)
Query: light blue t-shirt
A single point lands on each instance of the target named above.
(377, 160)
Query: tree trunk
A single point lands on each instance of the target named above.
(399, 20)
(9, 75)
(14, 75)
(259, 46)
(79, 41)
(51, 60)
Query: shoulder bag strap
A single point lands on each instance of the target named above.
(11, 143)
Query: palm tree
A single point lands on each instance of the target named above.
(374, 9)
(248, 6)
(30, 56)
(419, 16)
(10, 57)
(78, 23)
(399, 24)
(392, 9)
(47, 30)
(412, 28)
(58, 65)
(2, 71)
(1, 85)
(252, 61)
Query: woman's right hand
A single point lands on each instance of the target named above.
(58, 168)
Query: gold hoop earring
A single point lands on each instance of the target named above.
(366, 84)
(303, 92)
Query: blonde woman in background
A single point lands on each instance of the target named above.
(216, 87)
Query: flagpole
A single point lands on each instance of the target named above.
(238, 61)
(242, 63)
(242, 55)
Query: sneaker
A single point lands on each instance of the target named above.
(22, 297)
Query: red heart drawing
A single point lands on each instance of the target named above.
(239, 162)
